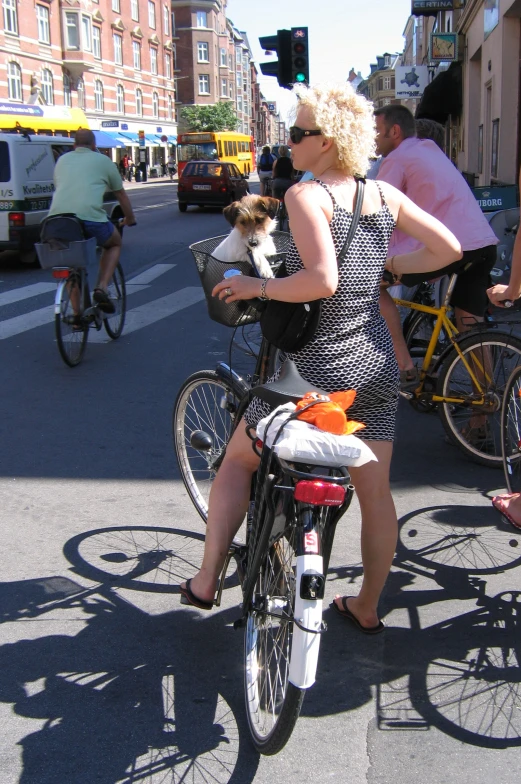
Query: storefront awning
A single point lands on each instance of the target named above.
(170, 139)
(40, 119)
(128, 137)
(107, 140)
(443, 96)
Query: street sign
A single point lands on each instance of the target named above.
(110, 123)
(410, 80)
(496, 197)
(141, 136)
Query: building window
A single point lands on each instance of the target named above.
(98, 95)
(44, 32)
(165, 20)
(495, 149)
(71, 30)
(155, 104)
(224, 59)
(134, 10)
(136, 53)
(10, 17)
(118, 49)
(387, 82)
(202, 19)
(139, 103)
(96, 42)
(66, 90)
(231, 89)
(238, 56)
(153, 60)
(86, 33)
(239, 81)
(224, 88)
(120, 100)
(202, 52)
(151, 14)
(480, 150)
(239, 102)
(168, 66)
(14, 81)
(204, 84)
(174, 55)
(47, 87)
(80, 89)
(172, 20)
(387, 61)
(170, 107)
(116, 6)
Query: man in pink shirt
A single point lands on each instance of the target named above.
(420, 169)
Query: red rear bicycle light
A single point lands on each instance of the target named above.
(16, 220)
(60, 272)
(319, 493)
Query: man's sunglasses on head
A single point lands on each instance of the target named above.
(296, 134)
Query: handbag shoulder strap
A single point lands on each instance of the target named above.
(357, 211)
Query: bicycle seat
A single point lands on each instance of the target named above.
(289, 387)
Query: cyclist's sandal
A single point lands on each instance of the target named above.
(188, 597)
(103, 301)
(409, 379)
(497, 503)
(346, 613)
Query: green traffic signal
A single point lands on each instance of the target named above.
(300, 77)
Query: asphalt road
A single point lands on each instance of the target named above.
(103, 683)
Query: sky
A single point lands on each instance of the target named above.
(343, 34)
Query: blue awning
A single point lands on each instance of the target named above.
(120, 138)
(106, 140)
(129, 137)
(170, 139)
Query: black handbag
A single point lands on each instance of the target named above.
(292, 325)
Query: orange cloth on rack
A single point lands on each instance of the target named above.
(330, 413)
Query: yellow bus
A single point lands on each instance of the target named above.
(216, 146)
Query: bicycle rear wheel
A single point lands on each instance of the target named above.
(204, 413)
(272, 703)
(511, 432)
(118, 295)
(71, 329)
(476, 430)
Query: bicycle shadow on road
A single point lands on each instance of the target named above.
(130, 697)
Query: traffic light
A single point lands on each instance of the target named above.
(281, 68)
(299, 55)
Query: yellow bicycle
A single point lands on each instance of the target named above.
(462, 375)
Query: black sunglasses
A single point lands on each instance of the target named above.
(296, 134)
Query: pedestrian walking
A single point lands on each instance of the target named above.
(171, 166)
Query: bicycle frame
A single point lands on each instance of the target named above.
(443, 322)
(78, 276)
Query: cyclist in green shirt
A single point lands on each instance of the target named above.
(81, 179)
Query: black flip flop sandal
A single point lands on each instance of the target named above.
(346, 613)
(103, 301)
(189, 597)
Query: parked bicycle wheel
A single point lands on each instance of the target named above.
(272, 703)
(204, 413)
(511, 432)
(118, 294)
(71, 330)
(476, 430)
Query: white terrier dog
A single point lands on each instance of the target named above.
(252, 219)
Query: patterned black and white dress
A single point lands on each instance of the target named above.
(352, 348)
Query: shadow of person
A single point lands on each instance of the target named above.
(129, 698)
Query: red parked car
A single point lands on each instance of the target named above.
(210, 183)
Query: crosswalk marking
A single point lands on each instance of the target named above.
(150, 274)
(17, 295)
(36, 318)
(158, 309)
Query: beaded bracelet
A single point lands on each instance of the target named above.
(263, 294)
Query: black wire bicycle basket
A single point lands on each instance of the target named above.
(211, 271)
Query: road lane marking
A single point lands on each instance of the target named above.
(137, 318)
(155, 206)
(158, 309)
(150, 274)
(17, 295)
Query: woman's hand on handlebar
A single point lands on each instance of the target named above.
(501, 296)
(127, 222)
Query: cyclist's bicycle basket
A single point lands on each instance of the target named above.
(211, 271)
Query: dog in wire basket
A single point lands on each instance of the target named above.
(253, 220)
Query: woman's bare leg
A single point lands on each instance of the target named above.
(379, 531)
(228, 504)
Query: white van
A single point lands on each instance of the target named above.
(26, 188)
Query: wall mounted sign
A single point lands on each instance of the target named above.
(410, 80)
(444, 46)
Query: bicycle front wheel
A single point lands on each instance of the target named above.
(71, 330)
(118, 295)
(511, 432)
(204, 413)
(272, 703)
(476, 429)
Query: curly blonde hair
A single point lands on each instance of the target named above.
(345, 117)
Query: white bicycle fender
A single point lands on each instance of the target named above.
(305, 645)
(57, 299)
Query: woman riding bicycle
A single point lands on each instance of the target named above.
(334, 138)
(283, 174)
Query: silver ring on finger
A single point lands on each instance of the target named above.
(228, 292)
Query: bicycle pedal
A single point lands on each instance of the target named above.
(239, 623)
